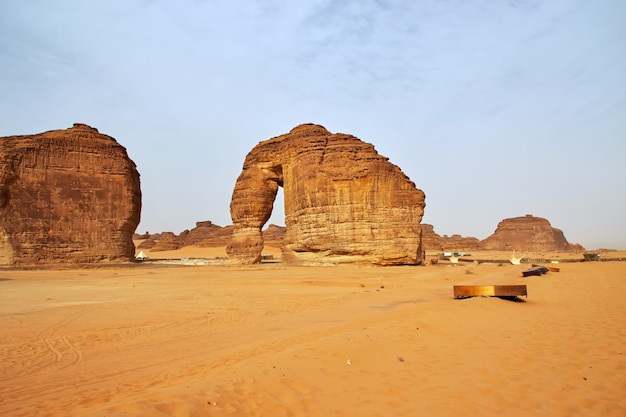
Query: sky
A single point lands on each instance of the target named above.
(494, 108)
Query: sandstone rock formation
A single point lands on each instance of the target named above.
(205, 234)
(67, 196)
(344, 203)
(162, 242)
(527, 234)
(431, 241)
(274, 236)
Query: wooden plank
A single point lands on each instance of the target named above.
(549, 268)
(463, 291)
(510, 290)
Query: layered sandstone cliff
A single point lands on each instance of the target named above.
(528, 233)
(344, 203)
(67, 196)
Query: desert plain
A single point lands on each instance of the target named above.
(152, 339)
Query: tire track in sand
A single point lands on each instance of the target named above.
(77, 353)
(56, 350)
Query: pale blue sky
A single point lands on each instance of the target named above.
(494, 108)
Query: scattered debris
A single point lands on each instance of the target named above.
(535, 270)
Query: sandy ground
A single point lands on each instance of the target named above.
(272, 340)
(186, 252)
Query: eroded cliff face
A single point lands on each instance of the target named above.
(527, 233)
(344, 203)
(67, 196)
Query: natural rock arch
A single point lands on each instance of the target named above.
(344, 203)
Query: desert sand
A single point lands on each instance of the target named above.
(273, 340)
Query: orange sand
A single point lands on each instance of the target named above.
(198, 252)
(272, 340)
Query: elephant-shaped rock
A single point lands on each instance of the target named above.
(344, 203)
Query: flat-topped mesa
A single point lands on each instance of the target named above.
(528, 234)
(344, 203)
(67, 196)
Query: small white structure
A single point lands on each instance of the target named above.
(455, 256)
(141, 257)
(514, 260)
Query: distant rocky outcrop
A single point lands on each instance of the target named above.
(530, 234)
(431, 241)
(344, 203)
(162, 242)
(205, 234)
(274, 235)
(67, 196)
(457, 242)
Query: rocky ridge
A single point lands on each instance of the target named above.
(434, 242)
(218, 236)
(204, 235)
